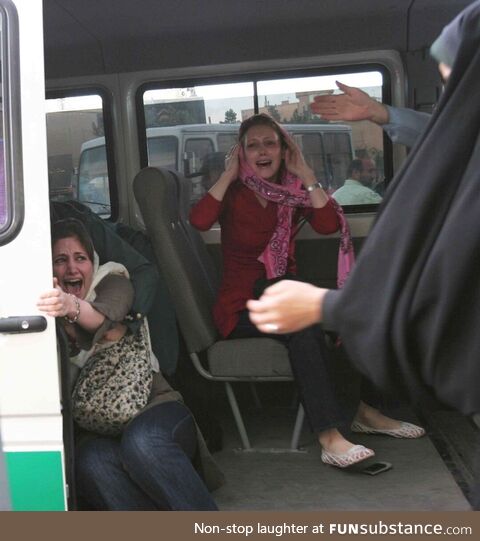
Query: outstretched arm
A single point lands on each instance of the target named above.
(402, 125)
(57, 303)
(352, 105)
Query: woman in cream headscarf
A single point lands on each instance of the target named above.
(149, 464)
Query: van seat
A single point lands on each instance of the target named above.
(181, 259)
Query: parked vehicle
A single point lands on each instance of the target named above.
(188, 149)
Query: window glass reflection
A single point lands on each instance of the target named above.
(338, 144)
(77, 153)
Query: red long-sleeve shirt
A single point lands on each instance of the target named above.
(246, 229)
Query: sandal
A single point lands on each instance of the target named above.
(355, 454)
(405, 430)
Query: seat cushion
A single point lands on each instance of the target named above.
(247, 357)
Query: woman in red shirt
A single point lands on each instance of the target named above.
(266, 188)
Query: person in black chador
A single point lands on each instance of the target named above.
(409, 313)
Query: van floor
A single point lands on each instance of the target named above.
(273, 478)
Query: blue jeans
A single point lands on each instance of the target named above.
(313, 367)
(149, 467)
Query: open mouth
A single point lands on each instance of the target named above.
(263, 163)
(73, 286)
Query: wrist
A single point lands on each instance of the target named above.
(379, 113)
(226, 178)
(313, 186)
(319, 296)
(308, 177)
(73, 314)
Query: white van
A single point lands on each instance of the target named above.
(193, 148)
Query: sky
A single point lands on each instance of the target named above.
(237, 96)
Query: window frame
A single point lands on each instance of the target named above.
(107, 111)
(258, 76)
(12, 123)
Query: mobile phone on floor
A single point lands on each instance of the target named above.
(377, 467)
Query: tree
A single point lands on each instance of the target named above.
(273, 112)
(230, 117)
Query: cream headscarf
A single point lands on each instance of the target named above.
(99, 273)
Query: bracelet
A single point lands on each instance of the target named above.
(314, 186)
(77, 310)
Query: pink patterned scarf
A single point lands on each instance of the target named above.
(288, 195)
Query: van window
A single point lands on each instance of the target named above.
(79, 167)
(204, 120)
(11, 170)
(287, 100)
(163, 151)
(3, 181)
(329, 147)
(3, 189)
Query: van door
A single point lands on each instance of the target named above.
(30, 416)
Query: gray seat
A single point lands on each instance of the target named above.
(190, 276)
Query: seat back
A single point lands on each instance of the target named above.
(212, 277)
(183, 259)
(157, 194)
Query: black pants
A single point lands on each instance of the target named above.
(314, 370)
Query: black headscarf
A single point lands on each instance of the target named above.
(445, 47)
(409, 314)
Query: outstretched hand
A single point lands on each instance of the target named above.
(287, 306)
(55, 302)
(352, 105)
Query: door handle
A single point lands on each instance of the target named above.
(22, 324)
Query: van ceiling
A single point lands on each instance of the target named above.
(111, 36)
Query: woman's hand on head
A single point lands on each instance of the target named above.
(287, 306)
(232, 165)
(55, 302)
(295, 162)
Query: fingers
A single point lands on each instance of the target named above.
(263, 316)
(52, 303)
(231, 159)
(232, 152)
(52, 293)
(344, 88)
(326, 106)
